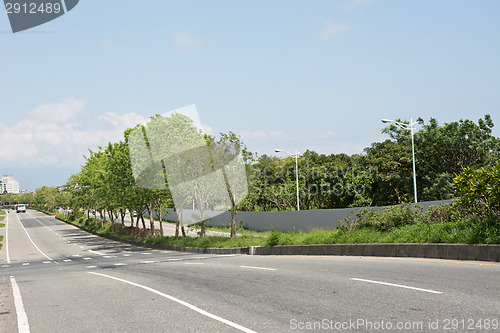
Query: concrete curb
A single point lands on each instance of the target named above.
(480, 252)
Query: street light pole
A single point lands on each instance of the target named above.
(411, 129)
(296, 155)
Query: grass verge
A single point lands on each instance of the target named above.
(108, 228)
(464, 231)
(396, 228)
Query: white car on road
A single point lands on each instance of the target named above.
(21, 208)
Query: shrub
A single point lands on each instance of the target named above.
(479, 190)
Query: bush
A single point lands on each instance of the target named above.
(479, 190)
(386, 220)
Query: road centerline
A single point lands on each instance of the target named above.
(263, 268)
(397, 285)
(31, 240)
(181, 302)
(22, 319)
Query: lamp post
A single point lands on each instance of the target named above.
(296, 155)
(408, 127)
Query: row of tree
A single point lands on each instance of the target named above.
(116, 178)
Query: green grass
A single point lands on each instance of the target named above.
(462, 231)
(1, 237)
(2, 212)
(208, 241)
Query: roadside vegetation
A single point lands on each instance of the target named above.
(2, 217)
(456, 160)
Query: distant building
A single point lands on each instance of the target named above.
(9, 185)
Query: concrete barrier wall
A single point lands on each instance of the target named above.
(303, 220)
(483, 252)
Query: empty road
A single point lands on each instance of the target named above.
(57, 278)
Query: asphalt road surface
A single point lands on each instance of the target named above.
(57, 278)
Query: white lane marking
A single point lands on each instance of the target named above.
(146, 253)
(81, 247)
(226, 255)
(46, 256)
(22, 319)
(96, 252)
(107, 257)
(120, 264)
(199, 257)
(148, 262)
(194, 263)
(181, 302)
(264, 268)
(87, 258)
(126, 255)
(91, 266)
(76, 255)
(67, 260)
(397, 285)
(173, 259)
(26, 263)
(7, 238)
(47, 262)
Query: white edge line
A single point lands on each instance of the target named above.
(7, 238)
(398, 285)
(181, 302)
(46, 256)
(22, 319)
(264, 268)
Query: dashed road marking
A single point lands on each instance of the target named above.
(398, 285)
(263, 268)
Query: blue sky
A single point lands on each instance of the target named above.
(315, 75)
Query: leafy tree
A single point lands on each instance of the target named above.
(440, 153)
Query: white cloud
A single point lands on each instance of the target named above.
(332, 29)
(111, 47)
(51, 135)
(121, 121)
(184, 41)
(357, 4)
(262, 135)
(67, 109)
(327, 134)
(207, 129)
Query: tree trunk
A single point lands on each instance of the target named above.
(122, 215)
(111, 217)
(177, 223)
(159, 219)
(151, 219)
(234, 213)
(142, 220)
